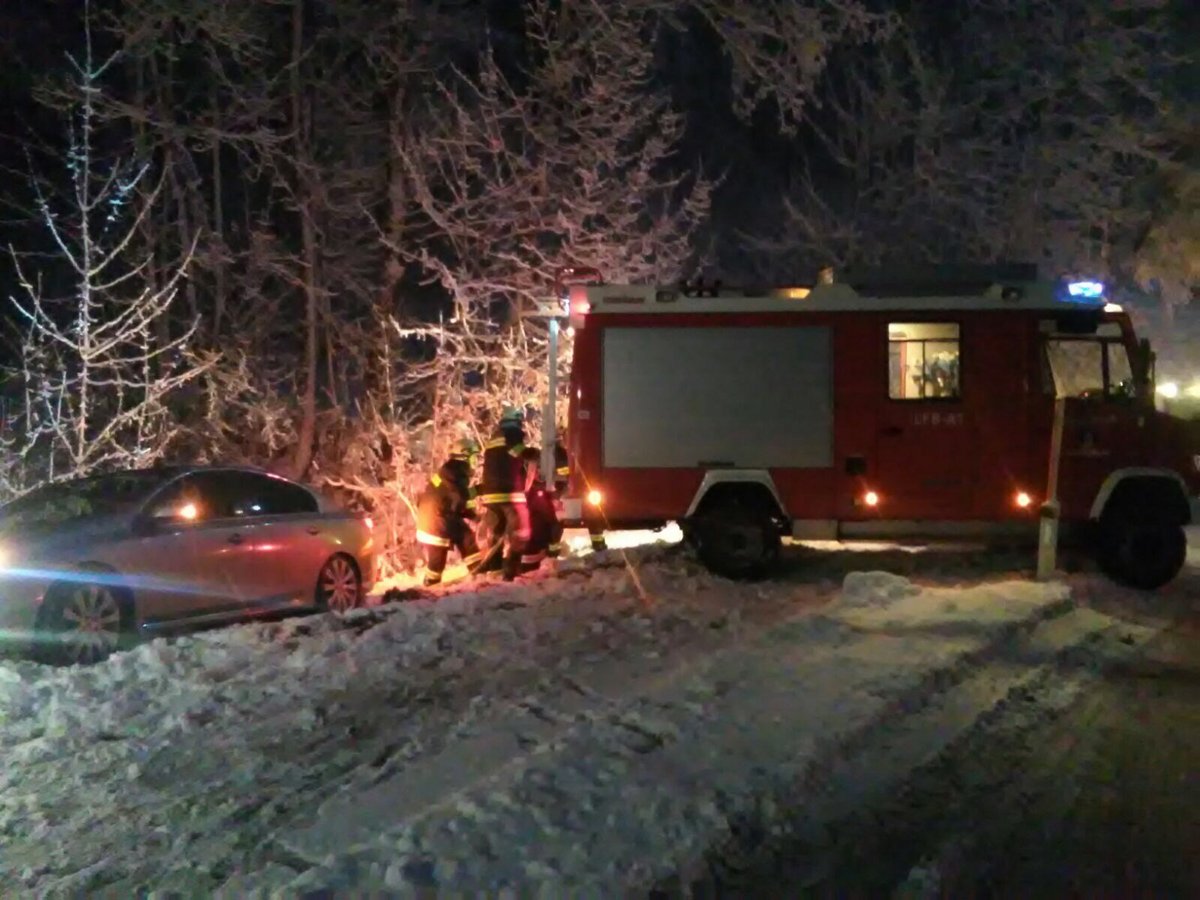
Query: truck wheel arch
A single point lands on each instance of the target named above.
(1132, 487)
(744, 483)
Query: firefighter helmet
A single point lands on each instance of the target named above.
(511, 416)
(467, 448)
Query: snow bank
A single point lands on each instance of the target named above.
(628, 792)
(597, 729)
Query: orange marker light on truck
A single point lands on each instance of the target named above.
(1023, 500)
(594, 497)
(871, 498)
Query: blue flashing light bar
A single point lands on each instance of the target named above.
(1086, 290)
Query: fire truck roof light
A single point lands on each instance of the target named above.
(1086, 290)
(1113, 307)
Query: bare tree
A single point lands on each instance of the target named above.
(95, 378)
(948, 142)
(519, 171)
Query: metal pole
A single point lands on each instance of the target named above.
(549, 415)
(1048, 518)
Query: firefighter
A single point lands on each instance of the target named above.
(443, 511)
(545, 529)
(502, 493)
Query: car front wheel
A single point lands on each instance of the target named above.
(339, 586)
(82, 624)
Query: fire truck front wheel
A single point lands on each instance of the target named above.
(1140, 553)
(736, 541)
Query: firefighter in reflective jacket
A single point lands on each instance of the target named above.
(545, 529)
(502, 493)
(442, 513)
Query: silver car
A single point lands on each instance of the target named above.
(87, 566)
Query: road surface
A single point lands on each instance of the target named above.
(1098, 799)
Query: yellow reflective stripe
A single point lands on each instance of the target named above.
(473, 558)
(494, 443)
(516, 449)
(530, 558)
(424, 537)
(472, 492)
(514, 497)
(436, 480)
(563, 470)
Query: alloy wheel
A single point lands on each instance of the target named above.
(91, 624)
(339, 585)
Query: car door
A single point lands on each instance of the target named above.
(213, 541)
(285, 546)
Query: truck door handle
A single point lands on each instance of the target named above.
(236, 539)
(893, 431)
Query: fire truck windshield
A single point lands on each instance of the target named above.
(1094, 368)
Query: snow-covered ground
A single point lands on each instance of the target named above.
(595, 731)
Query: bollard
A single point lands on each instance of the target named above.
(1047, 540)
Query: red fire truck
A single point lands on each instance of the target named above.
(851, 410)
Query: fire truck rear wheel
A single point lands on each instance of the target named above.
(736, 542)
(1140, 553)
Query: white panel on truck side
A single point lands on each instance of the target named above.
(726, 396)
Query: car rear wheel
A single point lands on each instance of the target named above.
(339, 586)
(82, 624)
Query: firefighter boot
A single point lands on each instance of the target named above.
(512, 565)
(435, 564)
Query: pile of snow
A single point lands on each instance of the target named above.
(600, 728)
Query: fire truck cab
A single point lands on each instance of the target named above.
(854, 410)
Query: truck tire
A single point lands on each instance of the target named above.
(736, 540)
(1143, 553)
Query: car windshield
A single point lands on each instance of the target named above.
(55, 504)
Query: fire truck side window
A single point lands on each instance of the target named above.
(1090, 368)
(923, 361)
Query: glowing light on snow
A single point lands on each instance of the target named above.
(1088, 290)
(1169, 389)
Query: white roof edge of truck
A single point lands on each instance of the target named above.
(835, 297)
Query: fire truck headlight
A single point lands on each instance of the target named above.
(870, 498)
(1193, 389)
(1023, 500)
(1169, 389)
(594, 497)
